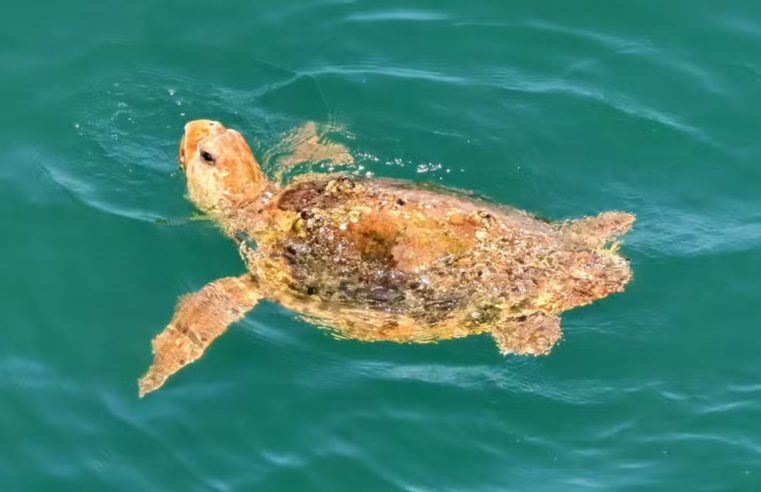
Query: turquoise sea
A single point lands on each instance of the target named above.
(560, 108)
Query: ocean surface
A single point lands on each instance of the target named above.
(560, 108)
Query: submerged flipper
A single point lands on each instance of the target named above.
(527, 335)
(307, 144)
(198, 320)
(600, 229)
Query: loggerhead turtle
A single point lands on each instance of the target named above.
(381, 259)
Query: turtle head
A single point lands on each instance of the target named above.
(219, 167)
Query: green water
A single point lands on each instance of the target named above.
(560, 108)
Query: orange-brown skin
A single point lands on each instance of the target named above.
(382, 260)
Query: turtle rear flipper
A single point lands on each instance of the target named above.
(198, 320)
(528, 335)
(601, 228)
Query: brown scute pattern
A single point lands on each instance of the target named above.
(422, 265)
(319, 193)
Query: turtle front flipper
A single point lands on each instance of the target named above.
(198, 320)
(527, 335)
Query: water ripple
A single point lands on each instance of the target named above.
(404, 15)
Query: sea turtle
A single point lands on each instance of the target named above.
(381, 259)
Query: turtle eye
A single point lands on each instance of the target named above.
(207, 157)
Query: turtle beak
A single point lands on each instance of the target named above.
(195, 131)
